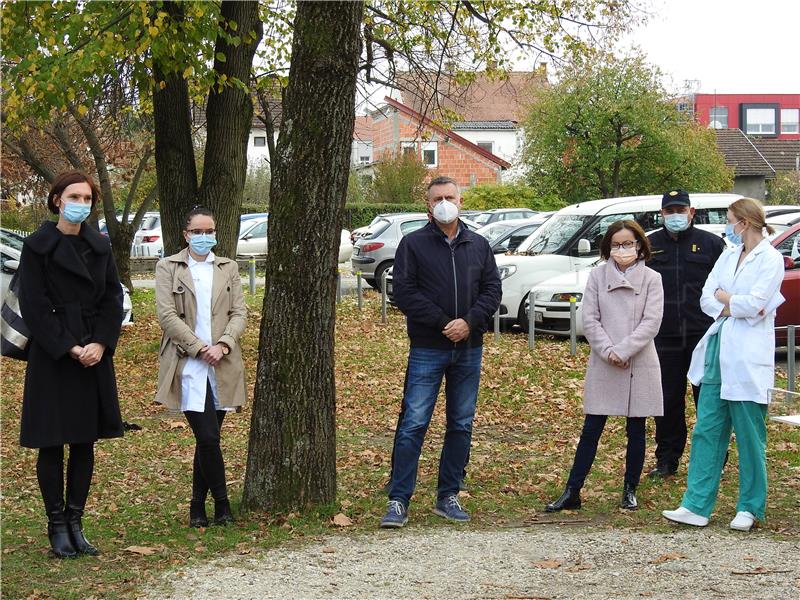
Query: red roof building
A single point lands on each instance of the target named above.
(762, 115)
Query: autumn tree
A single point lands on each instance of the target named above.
(608, 128)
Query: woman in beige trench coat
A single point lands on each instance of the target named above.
(622, 308)
(201, 310)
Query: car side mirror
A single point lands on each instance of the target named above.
(10, 266)
(788, 263)
(584, 247)
(249, 236)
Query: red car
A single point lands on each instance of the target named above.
(788, 244)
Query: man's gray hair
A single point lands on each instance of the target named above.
(443, 180)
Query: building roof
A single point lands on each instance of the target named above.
(434, 94)
(484, 125)
(781, 154)
(448, 133)
(740, 153)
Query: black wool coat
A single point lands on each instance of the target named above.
(69, 300)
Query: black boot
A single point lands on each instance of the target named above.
(571, 498)
(79, 541)
(663, 470)
(197, 514)
(222, 512)
(58, 533)
(629, 497)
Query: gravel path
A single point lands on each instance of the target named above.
(527, 563)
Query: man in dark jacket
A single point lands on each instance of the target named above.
(684, 256)
(446, 283)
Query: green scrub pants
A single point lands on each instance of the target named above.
(710, 440)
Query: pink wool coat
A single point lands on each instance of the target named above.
(622, 313)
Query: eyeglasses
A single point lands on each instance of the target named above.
(201, 231)
(627, 245)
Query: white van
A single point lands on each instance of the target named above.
(570, 241)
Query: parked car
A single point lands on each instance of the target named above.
(148, 240)
(570, 240)
(502, 214)
(12, 239)
(373, 252)
(552, 296)
(784, 221)
(253, 239)
(506, 236)
(776, 210)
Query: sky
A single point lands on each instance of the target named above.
(729, 46)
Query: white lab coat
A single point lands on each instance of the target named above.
(747, 342)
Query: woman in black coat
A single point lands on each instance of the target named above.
(71, 299)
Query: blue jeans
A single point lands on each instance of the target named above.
(461, 370)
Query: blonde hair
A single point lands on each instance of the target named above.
(751, 212)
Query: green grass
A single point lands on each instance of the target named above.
(528, 421)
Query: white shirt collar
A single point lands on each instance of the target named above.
(209, 259)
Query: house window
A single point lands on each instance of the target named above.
(790, 120)
(259, 141)
(760, 121)
(718, 117)
(407, 148)
(488, 146)
(364, 160)
(430, 154)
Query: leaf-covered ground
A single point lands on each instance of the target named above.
(528, 421)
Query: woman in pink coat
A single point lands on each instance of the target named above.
(622, 308)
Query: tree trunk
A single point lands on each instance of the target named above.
(230, 116)
(175, 167)
(291, 461)
(121, 248)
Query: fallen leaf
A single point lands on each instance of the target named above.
(548, 564)
(579, 567)
(177, 425)
(342, 520)
(143, 550)
(329, 549)
(667, 557)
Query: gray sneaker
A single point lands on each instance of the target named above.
(449, 508)
(396, 515)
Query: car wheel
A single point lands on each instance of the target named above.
(522, 318)
(371, 283)
(379, 274)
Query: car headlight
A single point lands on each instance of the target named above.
(564, 297)
(507, 271)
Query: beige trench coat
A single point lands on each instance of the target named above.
(622, 314)
(176, 308)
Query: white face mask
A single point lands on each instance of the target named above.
(445, 212)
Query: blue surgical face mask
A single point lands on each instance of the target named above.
(677, 222)
(731, 235)
(76, 212)
(203, 243)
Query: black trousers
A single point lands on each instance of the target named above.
(208, 471)
(675, 355)
(50, 473)
(593, 426)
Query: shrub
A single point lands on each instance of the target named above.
(510, 195)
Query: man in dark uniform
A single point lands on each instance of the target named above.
(684, 256)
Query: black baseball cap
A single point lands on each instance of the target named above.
(675, 197)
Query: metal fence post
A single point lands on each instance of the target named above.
(573, 335)
(497, 326)
(359, 291)
(791, 348)
(338, 286)
(531, 321)
(252, 268)
(384, 296)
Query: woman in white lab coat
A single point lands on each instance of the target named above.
(735, 362)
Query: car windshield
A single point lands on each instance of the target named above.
(553, 234)
(494, 231)
(9, 239)
(376, 228)
(150, 222)
(482, 219)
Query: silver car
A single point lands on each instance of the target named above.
(373, 252)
